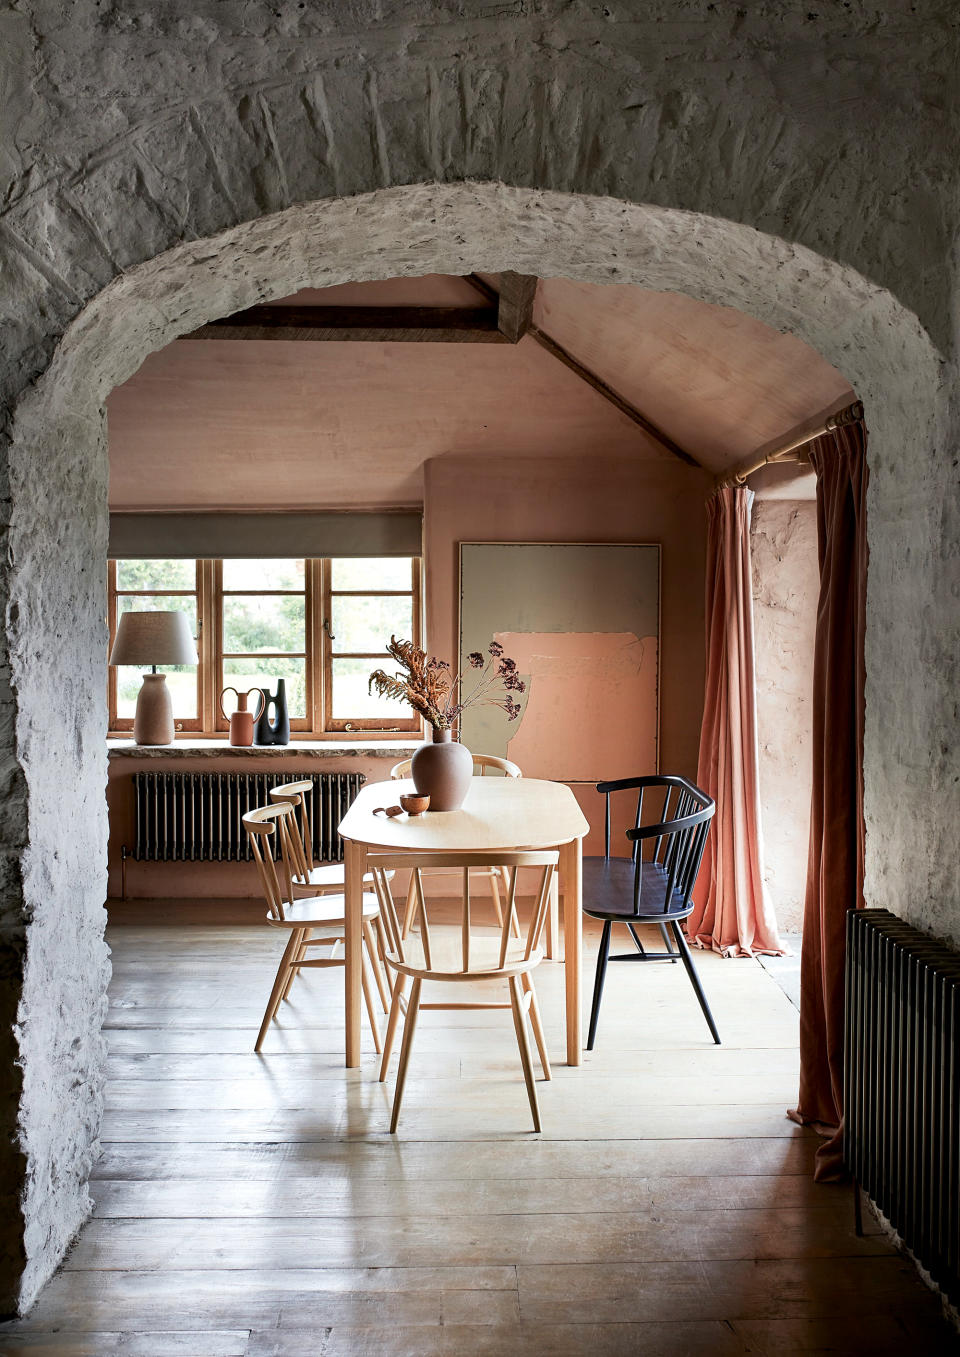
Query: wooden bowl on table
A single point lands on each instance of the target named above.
(413, 804)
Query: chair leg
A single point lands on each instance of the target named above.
(495, 895)
(636, 938)
(399, 985)
(273, 1003)
(374, 955)
(295, 970)
(598, 983)
(535, 1022)
(383, 947)
(499, 876)
(408, 909)
(409, 1027)
(665, 934)
(691, 970)
(520, 1023)
(368, 1000)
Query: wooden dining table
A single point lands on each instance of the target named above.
(498, 813)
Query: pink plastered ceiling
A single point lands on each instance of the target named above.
(590, 708)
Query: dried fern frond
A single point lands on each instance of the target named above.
(387, 686)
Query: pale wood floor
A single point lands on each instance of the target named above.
(256, 1205)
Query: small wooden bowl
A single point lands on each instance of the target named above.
(414, 805)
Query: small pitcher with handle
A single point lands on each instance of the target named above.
(241, 721)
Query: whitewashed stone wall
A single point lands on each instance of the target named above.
(164, 164)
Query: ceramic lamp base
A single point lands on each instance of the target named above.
(153, 720)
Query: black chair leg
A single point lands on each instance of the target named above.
(666, 940)
(598, 983)
(636, 938)
(691, 970)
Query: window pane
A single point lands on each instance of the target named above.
(368, 623)
(181, 681)
(350, 697)
(243, 674)
(164, 603)
(283, 574)
(157, 575)
(371, 572)
(263, 623)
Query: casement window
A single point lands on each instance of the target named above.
(321, 624)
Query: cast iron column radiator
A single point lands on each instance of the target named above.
(198, 817)
(902, 1084)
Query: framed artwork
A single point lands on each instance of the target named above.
(582, 622)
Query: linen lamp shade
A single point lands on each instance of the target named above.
(153, 638)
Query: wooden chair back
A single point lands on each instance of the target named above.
(265, 826)
(299, 794)
(471, 949)
(482, 764)
(671, 844)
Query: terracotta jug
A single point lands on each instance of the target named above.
(241, 721)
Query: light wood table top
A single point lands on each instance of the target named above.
(498, 812)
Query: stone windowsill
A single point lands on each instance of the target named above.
(302, 749)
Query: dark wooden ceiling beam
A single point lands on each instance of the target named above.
(515, 310)
(365, 324)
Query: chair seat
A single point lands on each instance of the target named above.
(322, 911)
(608, 891)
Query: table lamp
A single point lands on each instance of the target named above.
(154, 638)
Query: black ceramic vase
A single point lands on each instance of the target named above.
(277, 729)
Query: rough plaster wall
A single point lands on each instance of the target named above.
(137, 129)
(57, 637)
(786, 584)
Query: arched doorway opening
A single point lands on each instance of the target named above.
(58, 540)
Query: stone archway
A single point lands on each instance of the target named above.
(54, 706)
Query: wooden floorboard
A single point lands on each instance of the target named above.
(257, 1206)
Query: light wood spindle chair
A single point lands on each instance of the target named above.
(313, 878)
(314, 921)
(477, 957)
(482, 764)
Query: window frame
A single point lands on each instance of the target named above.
(331, 725)
(318, 722)
(124, 724)
(305, 724)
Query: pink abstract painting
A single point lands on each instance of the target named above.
(591, 703)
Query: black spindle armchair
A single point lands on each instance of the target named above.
(655, 884)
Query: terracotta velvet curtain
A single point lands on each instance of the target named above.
(835, 866)
(732, 914)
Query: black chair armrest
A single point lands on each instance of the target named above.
(674, 826)
(623, 784)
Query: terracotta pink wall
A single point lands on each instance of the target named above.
(582, 499)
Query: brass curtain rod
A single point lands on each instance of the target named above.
(848, 415)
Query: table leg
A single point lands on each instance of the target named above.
(355, 865)
(571, 883)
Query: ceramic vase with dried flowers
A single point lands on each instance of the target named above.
(443, 768)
